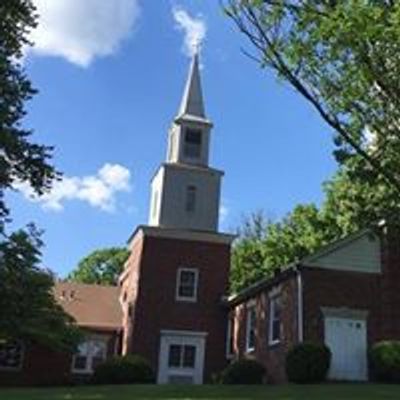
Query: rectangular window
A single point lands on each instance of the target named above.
(11, 354)
(186, 289)
(90, 354)
(192, 148)
(275, 314)
(251, 319)
(191, 198)
(230, 334)
(182, 356)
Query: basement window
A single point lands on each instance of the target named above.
(11, 354)
(181, 356)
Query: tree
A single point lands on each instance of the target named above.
(264, 247)
(343, 57)
(20, 159)
(101, 267)
(28, 310)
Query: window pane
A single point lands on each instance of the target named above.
(187, 284)
(11, 354)
(80, 362)
(188, 278)
(174, 359)
(189, 356)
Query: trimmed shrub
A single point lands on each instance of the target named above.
(243, 372)
(308, 363)
(385, 361)
(124, 370)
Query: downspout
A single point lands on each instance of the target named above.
(299, 305)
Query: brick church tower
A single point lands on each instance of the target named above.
(177, 273)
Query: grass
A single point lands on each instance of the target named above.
(288, 392)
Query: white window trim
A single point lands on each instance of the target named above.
(21, 364)
(191, 299)
(272, 300)
(250, 307)
(229, 336)
(89, 366)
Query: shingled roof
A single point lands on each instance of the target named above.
(92, 306)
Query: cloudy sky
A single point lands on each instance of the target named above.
(110, 75)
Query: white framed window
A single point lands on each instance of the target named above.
(91, 353)
(251, 320)
(230, 337)
(191, 194)
(182, 356)
(192, 145)
(186, 284)
(275, 319)
(11, 354)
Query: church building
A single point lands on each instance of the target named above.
(171, 304)
(177, 274)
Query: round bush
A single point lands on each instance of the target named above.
(243, 372)
(385, 361)
(124, 370)
(308, 363)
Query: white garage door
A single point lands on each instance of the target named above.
(347, 340)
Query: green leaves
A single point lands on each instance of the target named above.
(343, 57)
(101, 267)
(20, 159)
(28, 309)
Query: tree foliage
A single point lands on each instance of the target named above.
(264, 247)
(350, 204)
(20, 159)
(101, 267)
(343, 57)
(28, 310)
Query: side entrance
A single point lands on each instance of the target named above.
(181, 357)
(346, 336)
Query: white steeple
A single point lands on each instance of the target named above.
(192, 104)
(185, 190)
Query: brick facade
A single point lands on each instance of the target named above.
(271, 356)
(378, 294)
(42, 366)
(152, 283)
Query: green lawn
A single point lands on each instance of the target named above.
(289, 392)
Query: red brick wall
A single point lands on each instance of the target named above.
(337, 289)
(156, 309)
(271, 356)
(44, 367)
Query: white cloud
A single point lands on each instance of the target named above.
(80, 30)
(98, 190)
(194, 29)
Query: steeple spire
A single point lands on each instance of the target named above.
(192, 104)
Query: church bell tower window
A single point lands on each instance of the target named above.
(192, 148)
(191, 192)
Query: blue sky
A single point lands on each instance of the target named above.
(109, 89)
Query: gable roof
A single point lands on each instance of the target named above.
(311, 261)
(92, 306)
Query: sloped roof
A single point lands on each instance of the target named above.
(92, 306)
